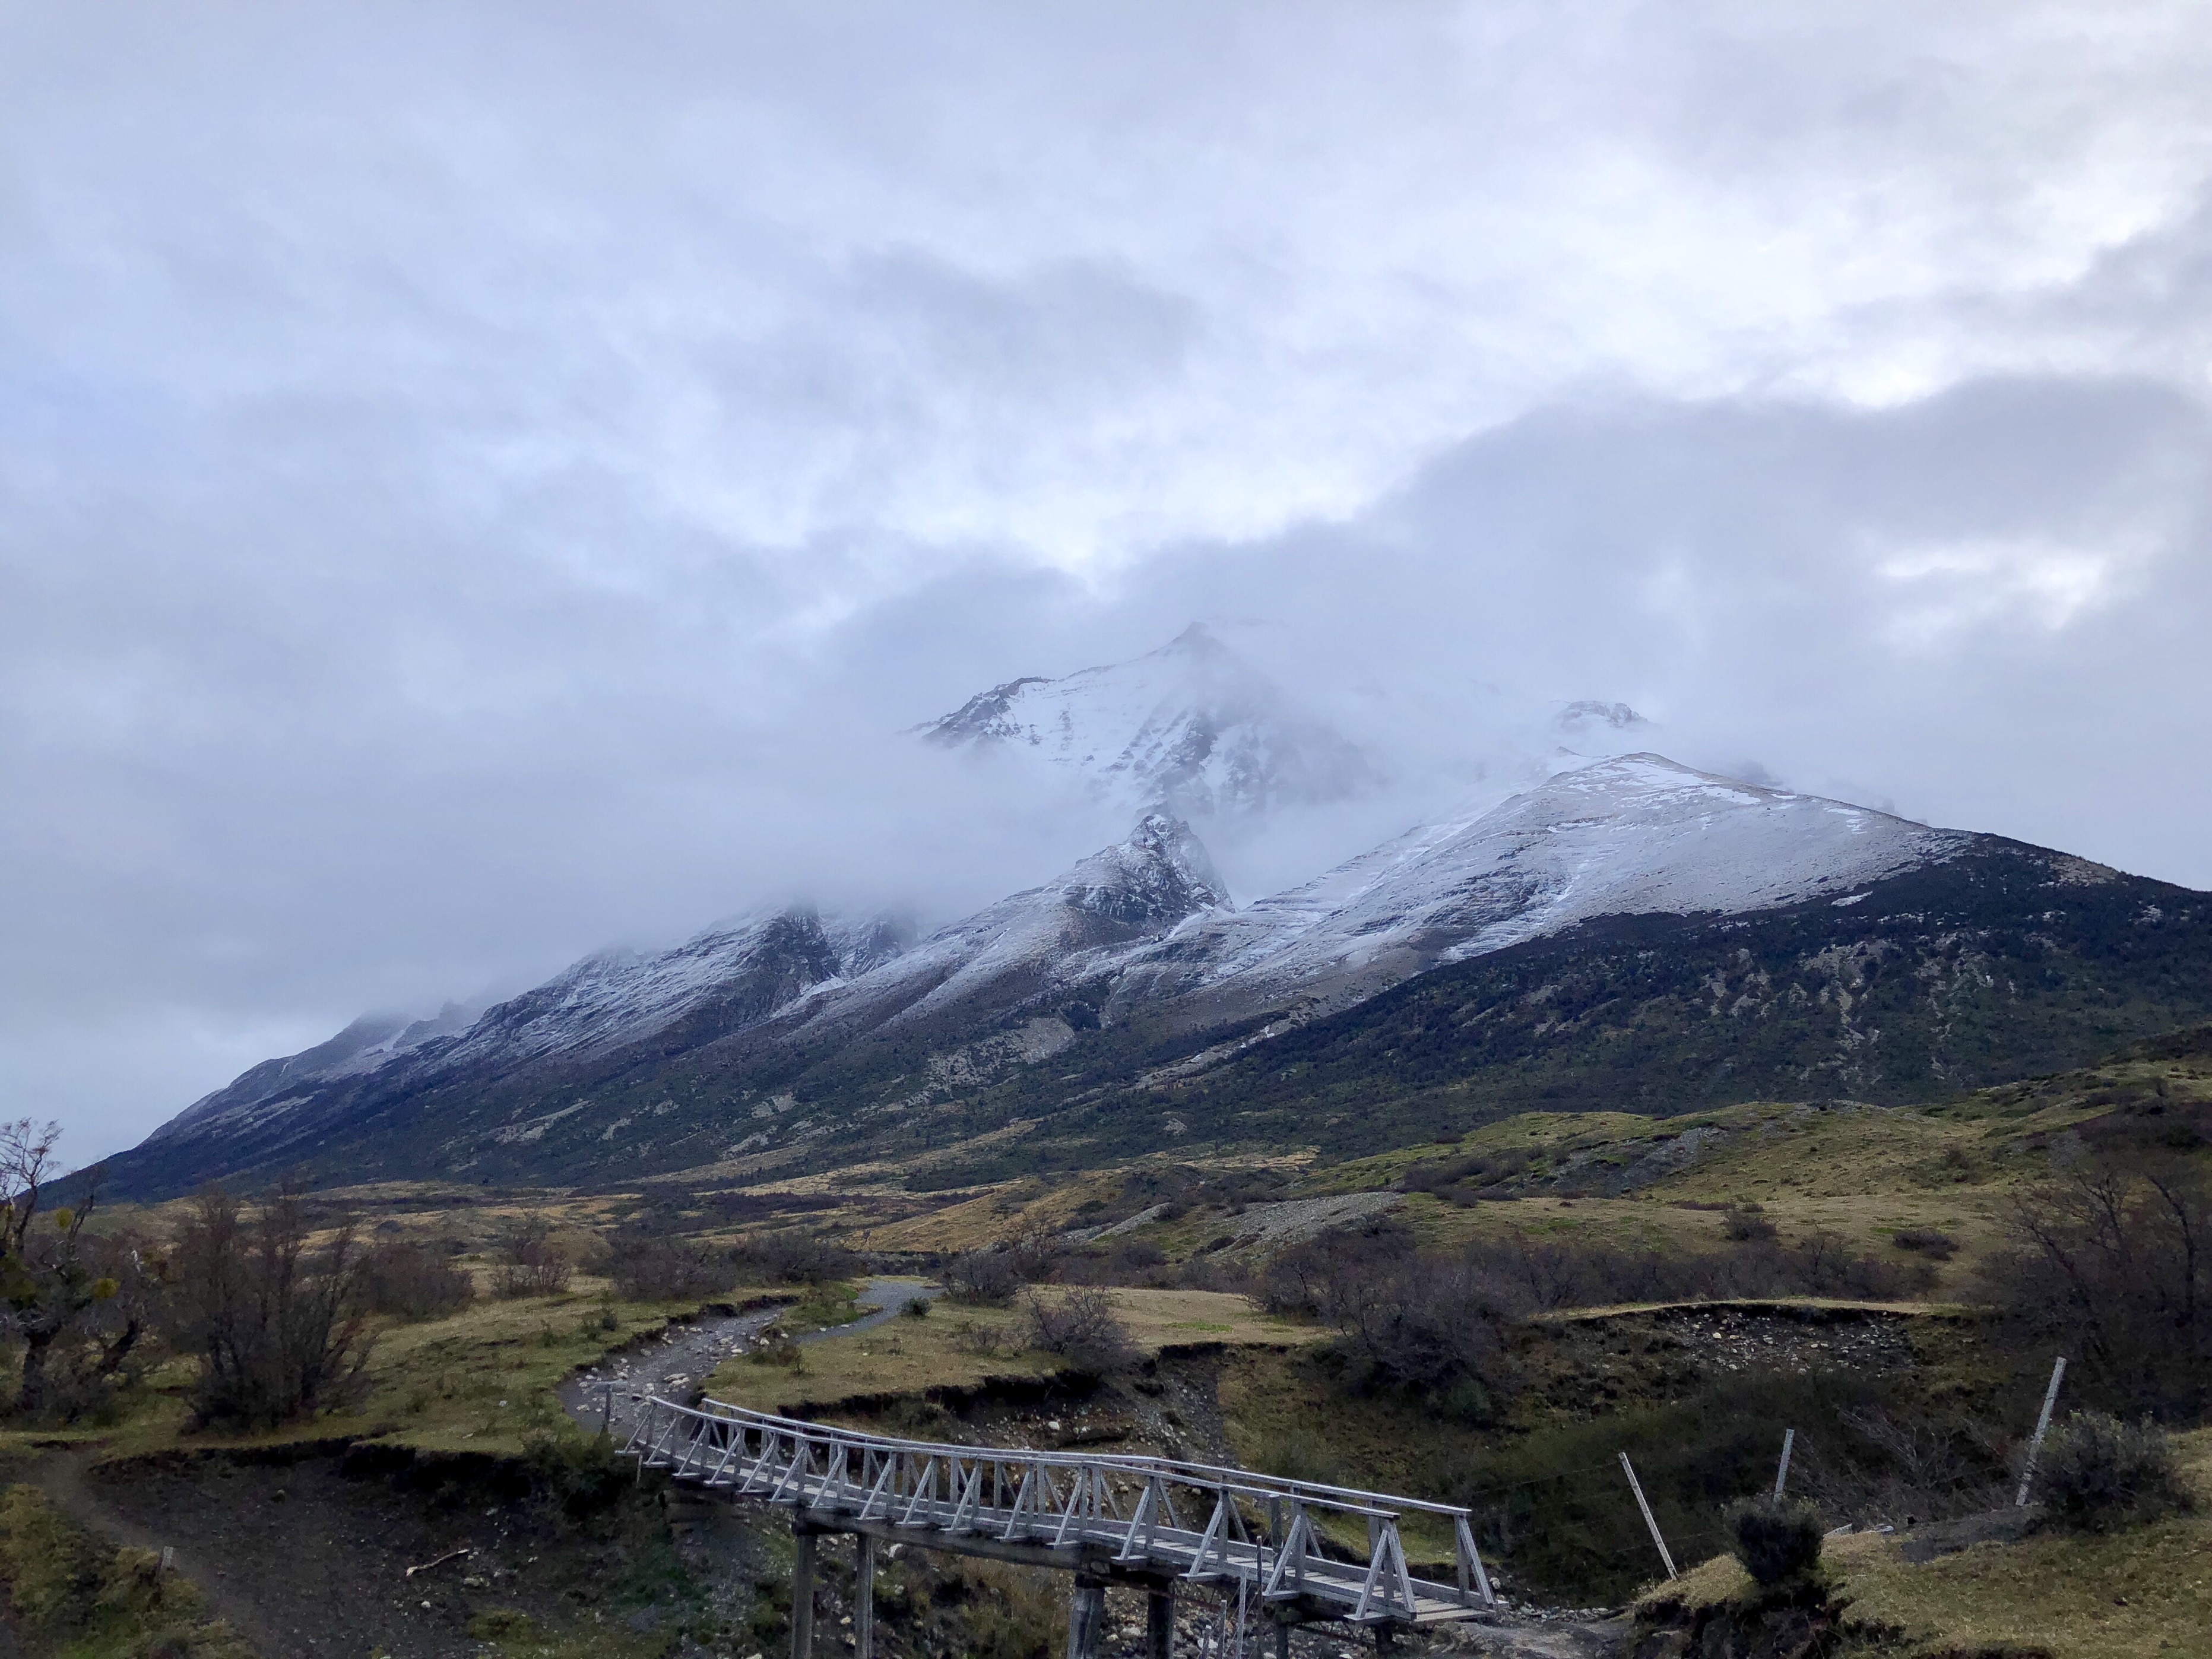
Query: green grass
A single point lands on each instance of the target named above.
(77, 1597)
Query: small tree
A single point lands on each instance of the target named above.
(1776, 1542)
(531, 1261)
(1082, 1328)
(56, 1282)
(276, 1320)
(409, 1280)
(648, 1269)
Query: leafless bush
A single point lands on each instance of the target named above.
(412, 1279)
(978, 1341)
(1080, 1327)
(648, 1269)
(1926, 1240)
(275, 1320)
(1431, 1322)
(2112, 1260)
(531, 1261)
(793, 1256)
(990, 1279)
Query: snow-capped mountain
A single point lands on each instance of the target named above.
(1191, 728)
(730, 976)
(1627, 835)
(777, 1036)
(370, 1043)
(1047, 936)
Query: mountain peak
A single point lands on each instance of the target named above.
(1191, 727)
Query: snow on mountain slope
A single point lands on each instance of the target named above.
(1191, 727)
(1637, 833)
(763, 961)
(370, 1043)
(745, 970)
(1030, 941)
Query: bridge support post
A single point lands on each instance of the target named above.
(1282, 1638)
(1086, 1617)
(802, 1599)
(1160, 1623)
(863, 1601)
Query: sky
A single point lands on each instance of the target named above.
(481, 483)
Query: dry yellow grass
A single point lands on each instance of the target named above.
(2145, 1593)
(906, 1356)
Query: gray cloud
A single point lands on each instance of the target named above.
(478, 484)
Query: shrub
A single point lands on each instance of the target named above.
(278, 1327)
(778, 1350)
(2096, 1470)
(1776, 1542)
(413, 1281)
(792, 1257)
(1745, 1224)
(1926, 1240)
(988, 1278)
(648, 1269)
(577, 1474)
(917, 1307)
(977, 1341)
(1082, 1328)
(531, 1261)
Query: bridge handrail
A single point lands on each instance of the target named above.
(1249, 1482)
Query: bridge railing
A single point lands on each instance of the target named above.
(1281, 1541)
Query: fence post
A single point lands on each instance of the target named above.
(1628, 1469)
(2042, 1426)
(1782, 1474)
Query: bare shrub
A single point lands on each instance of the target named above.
(2112, 1260)
(1926, 1240)
(990, 1279)
(1081, 1327)
(2097, 1471)
(1776, 1542)
(275, 1320)
(793, 1256)
(411, 1280)
(531, 1261)
(644, 1268)
(1430, 1324)
(978, 1341)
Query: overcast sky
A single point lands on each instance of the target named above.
(479, 482)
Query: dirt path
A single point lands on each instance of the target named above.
(60, 1475)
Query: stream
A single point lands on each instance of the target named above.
(613, 1393)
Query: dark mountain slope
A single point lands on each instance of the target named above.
(2005, 962)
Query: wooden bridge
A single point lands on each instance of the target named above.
(1288, 1552)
